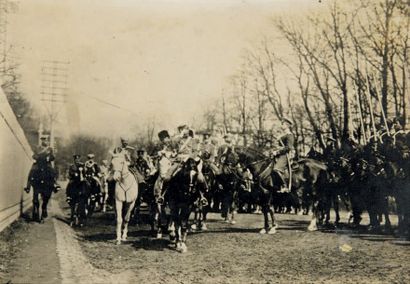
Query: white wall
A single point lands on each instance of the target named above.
(15, 163)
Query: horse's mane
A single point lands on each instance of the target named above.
(312, 163)
(250, 153)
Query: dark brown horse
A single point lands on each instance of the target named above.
(43, 182)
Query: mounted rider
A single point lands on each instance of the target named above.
(208, 153)
(166, 152)
(173, 154)
(284, 156)
(92, 169)
(75, 176)
(43, 157)
(227, 146)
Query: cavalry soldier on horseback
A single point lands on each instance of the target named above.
(172, 156)
(207, 152)
(284, 156)
(92, 169)
(141, 163)
(165, 153)
(43, 157)
(75, 176)
(225, 147)
(126, 149)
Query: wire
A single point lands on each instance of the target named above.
(15, 135)
(112, 105)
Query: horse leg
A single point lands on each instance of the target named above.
(336, 208)
(171, 230)
(185, 212)
(313, 222)
(233, 209)
(387, 223)
(118, 213)
(196, 224)
(127, 218)
(265, 210)
(72, 207)
(272, 229)
(104, 200)
(45, 198)
(159, 221)
(36, 206)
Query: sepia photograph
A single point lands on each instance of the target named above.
(204, 141)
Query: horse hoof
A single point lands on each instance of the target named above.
(312, 228)
(184, 248)
(204, 227)
(178, 246)
(194, 227)
(124, 238)
(71, 224)
(262, 231)
(42, 221)
(159, 236)
(233, 222)
(272, 231)
(118, 242)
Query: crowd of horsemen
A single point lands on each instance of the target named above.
(364, 177)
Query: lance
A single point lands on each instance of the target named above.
(360, 113)
(370, 105)
(381, 107)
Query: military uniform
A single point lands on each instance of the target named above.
(208, 153)
(75, 176)
(287, 152)
(43, 157)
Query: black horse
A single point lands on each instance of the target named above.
(43, 180)
(182, 194)
(229, 180)
(94, 192)
(266, 183)
(78, 192)
(208, 199)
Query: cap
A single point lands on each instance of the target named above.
(163, 134)
(182, 127)
(124, 139)
(90, 156)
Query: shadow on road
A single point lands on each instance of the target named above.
(146, 243)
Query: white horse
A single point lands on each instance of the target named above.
(126, 193)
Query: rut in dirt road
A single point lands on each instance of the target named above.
(74, 266)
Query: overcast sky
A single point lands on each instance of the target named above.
(166, 59)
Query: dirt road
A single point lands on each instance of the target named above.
(55, 253)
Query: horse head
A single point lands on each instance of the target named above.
(119, 166)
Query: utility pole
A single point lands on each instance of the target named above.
(6, 7)
(54, 92)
